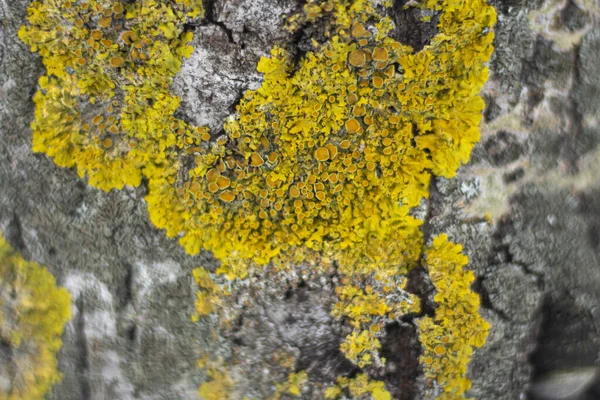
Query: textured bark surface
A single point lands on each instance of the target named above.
(535, 173)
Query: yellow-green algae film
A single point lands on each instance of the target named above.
(322, 164)
(33, 313)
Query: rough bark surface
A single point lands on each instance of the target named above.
(536, 254)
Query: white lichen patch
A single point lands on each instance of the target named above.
(100, 324)
(147, 277)
(493, 194)
(87, 284)
(113, 374)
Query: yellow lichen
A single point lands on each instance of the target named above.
(359, 387)
(322, 164)
(33, 313)
(209, 296)
(292, 386)
(218, 387)
(449, 337)
(119, 66)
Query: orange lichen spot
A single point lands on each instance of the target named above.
(390, 72)
(320, 195)
(227, 196)
(294, 191)
(345, 144)
(380, 54)
(333, 151)
(358, 30)
(322, 154)
(107, 143)
(393, 119)
(195, 188)
(97, 120)
(96, 34)
(118, 8)
(256, 160)
(352, 125)
(357, 58)
(439, 350)
(264, 142)
(359, 111)
(351, 98)
(378, 82)
(104, 22)
(116, 61)
(212, 175)
(223, 182)
(273, 156)
(128, 37)
(213, 187)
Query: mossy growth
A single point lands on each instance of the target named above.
(33, 313)
(320, 166)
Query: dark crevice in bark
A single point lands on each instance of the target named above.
(132, 334)
(83, 361)
(501, 252)
(486, 302)
(410, 29)
(401, 348)
(211, 18)
(7, 358)
(125, 289)
(573, 124)
(14, 234)
(418, 282)
(400, 345)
